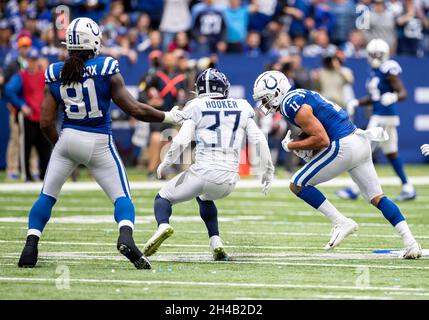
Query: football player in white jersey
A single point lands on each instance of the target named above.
(83, 87)
(385, 89)
(218, 124)
(331, 145)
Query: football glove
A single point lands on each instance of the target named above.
(175, 116)
(305, 155)
(425, 149)
(266, 180)
(160, 170)
(351, 106)
(388, 98)
(286, 141)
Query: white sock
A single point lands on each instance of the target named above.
(405, 233)
(408, 187)
(34, 232)
(331, 212)
(125, 223)
(354, 187)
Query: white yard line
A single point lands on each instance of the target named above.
(216, 284)
(242, 184)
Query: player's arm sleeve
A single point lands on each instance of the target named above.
(257, 137)
(180, 142)
(13, 91)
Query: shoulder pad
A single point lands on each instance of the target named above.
(391, 67)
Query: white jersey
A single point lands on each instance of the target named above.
(219, 127)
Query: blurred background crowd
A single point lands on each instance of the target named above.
(172, 33)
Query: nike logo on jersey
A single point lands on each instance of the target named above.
(216, 104)
(90, 71)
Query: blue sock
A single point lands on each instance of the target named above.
(312, 196)
(390, 211)
(41, 212)
(208, 213)
(162, 209)
(124, 210)
(398, 166)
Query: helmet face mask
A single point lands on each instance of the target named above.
(83, 34)
(378, 52)
(268, 91)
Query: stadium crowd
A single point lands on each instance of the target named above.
(171, 31)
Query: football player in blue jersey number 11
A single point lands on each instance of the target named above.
(331, 145)
(83, 86)
(385, 89)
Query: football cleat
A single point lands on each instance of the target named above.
(164, 232)
(347, 194)
(28, 258)
(128, 248)
(340, 232)
(413, 251)
(406, 196)
(219, 253)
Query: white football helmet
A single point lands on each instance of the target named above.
(83, 34)
(269, 89)
(378, 52)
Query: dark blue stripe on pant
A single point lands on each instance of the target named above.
(311, 163)
(118, 164)
(323, 164)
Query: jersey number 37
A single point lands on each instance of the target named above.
(73, 97)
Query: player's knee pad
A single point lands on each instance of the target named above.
(40, 212)
(124, 209)
(390, 211)
(208, 209)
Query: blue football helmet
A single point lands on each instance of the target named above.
(212, 83)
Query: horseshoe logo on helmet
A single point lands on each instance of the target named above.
(266, 83)
(95, 33)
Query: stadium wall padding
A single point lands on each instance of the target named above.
(242, 71)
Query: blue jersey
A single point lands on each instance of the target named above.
(377, 84)
(333, 118)
(87, 103)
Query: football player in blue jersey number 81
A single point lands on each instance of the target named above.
(332, 146)
(385, 89)
(84, 85)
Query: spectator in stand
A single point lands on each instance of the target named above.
(410, 27)
(142, 29)
(356, 46)
(15, 61)
(344, 13)
(49, 49)
(320, 46)
(298, 12)
(209, 30)
(30, 27)
(25, 92)
(94, 9)
(320, 16)
(395, 6)
(163, 89)
(381, 24)
(153, 8)
(253, 44)
(333, 80)
(181, 41)
(281, 46)
(5, 41)
(237, 19)
(176, 17)
(154, 42)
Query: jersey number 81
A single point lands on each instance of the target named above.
(75, 99)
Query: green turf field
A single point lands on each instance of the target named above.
(276, 243)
